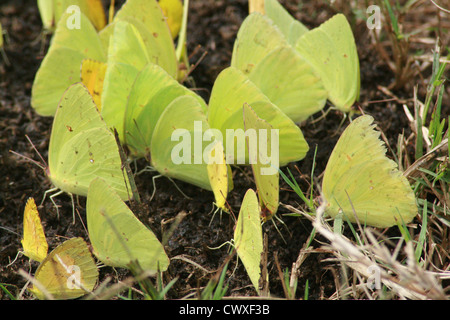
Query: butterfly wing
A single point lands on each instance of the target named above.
(68, 272)
(230, 91)
(148, 18)
(60, 67)
(117, 236)
(219, 174)
(360, 177)
(264, 171)
(331, 51)
(152, 91)
(290, 83)
(173, 11)
(291, 28)
(47, 13)
(82, 147)
(93, 9)
(179, 154)
(248, 237)
(127, 55)
(256, 37)
(93, 76)
(34, 242)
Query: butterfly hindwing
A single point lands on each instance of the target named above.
(82, 147)
(248, 238)
(68, 272)
(117, 236)
(360, 178)
(261, 155)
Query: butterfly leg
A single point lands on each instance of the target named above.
(54, 203)
(178, 188)
(146, 169)
(342, 123)
(214, 214)
(45, 194)
(154, 186)
(323, 116)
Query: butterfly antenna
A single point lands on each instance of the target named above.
(126, 166)
(29, 159)
(82, 223)
(191, 69)
(34, 147)
(43, 166)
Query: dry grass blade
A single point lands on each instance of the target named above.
(375, 259)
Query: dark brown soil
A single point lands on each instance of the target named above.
(213, 25)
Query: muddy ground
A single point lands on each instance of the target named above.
(213, 26)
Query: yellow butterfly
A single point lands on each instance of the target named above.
(173, 11)
(93, 76)
(68, 272)
(34, 242)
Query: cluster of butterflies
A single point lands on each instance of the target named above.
(125, 75)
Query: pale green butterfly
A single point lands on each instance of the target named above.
(82, 147)
(265, 173)
(331, 50)
(231, 90)
(47, 13)
(127, 55)
(291, 28)
(262, 52)
(257, 37)
(51, 11)
(177, 147)
(62, 63)
(117, 236)
(248, 237)
(360, 180)
(152, 91)
(148, 18)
